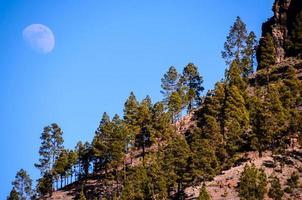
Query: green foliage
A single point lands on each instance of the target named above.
(234, 46)
(268, 118)
(231, 119)
(13, 195)
(137, 185)
(266, 54)
(204, 162)
(192, 81)
(84, 154)
(249, 56)
(51, 147)
(161, 123)
(275, 191)
(236, 119)
(131, 108)
(145, 182)
(100, 143)
(240, 47)
(61, 166)
(23, 185)
(158, 180)
(175, 164)
(145, 137)
(252, 183)
(203, 195)
(233, 77)
(175, 105)
(169, 83)
(44, 185)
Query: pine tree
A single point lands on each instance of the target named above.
(118, 144)
(84, 154)
(236, 120)
(175, 165)
(161, 123)
(175, 106)
(79, 148)
(86, 157)
(203, 194)
(252, 183)
(51, 147)
(275, 191)
(117, 149)
(144, 138)
(104, 121)
(13, 195)
(249, 56)
(131, 108)
(211, 120)
(44, 164)
(138, 185)
(60, 166)
(266, 55)
(158, 179)
(268, 118)
(44, 185)
(192, 84)
(235, 44)
(234, 115)
(100, 142)
(72, 161)
(23, 185)
(204, 163)
(240, 47)
(57, 141)
(169, 83)
(233, 77)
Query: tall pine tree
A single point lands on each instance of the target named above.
(192, 84)
(23, 185)
(169, 83)
(240, 47)
(266, 55)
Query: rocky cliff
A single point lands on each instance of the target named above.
(280, 26)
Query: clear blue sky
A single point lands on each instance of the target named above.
(104, 50)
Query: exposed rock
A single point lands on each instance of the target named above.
(224, 186)
(280, 26)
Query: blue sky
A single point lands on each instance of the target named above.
(104, 50)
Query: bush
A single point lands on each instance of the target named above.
(275, 191)
(288, 190)
(204, 194)
(252, 183)
(293, 181)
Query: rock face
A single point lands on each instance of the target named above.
(281, 25)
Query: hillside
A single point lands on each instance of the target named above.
(241, 140)
(224, 186)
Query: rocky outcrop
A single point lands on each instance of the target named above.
(280, 26)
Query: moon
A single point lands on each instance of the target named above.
(39, 37)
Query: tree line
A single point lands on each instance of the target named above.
(231, 118)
